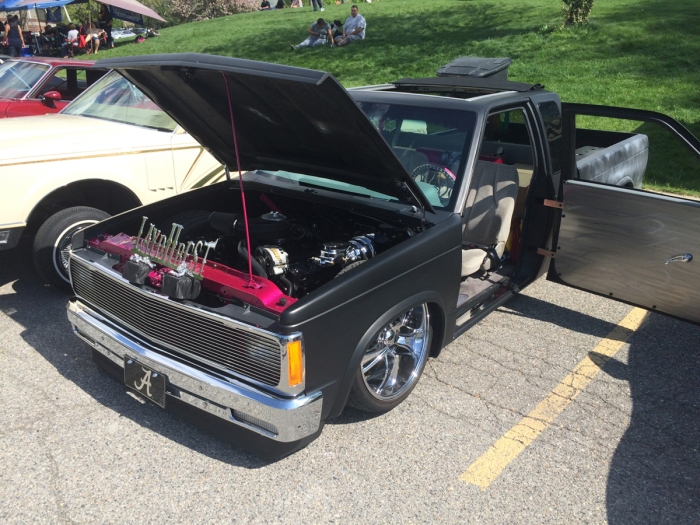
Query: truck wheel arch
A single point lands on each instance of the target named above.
(437, 322)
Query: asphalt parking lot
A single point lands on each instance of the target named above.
(74, 448)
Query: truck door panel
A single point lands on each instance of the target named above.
(629, 244)
(618, 242)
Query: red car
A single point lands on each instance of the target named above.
(36, 86)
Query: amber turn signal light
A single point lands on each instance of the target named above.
(295, 363)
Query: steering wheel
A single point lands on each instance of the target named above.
(437, 176)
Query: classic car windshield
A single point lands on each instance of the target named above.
(430, 143)
(17, 78)
(115, 98)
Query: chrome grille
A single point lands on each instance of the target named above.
(253, 355)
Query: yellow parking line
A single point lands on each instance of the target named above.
(490, 465)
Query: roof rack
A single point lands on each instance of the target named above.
(465, 84)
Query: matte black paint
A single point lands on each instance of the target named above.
(615, 241)
(352, 308)
(340, 318)
(633, 286)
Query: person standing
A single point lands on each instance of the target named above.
(317, 4)
(319, 34)
(354, 28)
(105, 19)
(13, 36)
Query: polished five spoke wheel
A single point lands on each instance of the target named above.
(393, 361)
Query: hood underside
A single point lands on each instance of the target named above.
(286, 118)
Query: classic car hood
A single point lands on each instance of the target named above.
(54, 137)
(286, 118)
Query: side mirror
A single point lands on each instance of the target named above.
(50, 98)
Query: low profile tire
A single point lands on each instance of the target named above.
(52, 243)
(392, 362)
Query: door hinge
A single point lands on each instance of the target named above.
(554, 204)
(546, 253)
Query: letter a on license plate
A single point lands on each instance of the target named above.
(144, 380)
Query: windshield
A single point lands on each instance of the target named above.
(17, 78)
(321, 182)
(431, 143)
(115, 98)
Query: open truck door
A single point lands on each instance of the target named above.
(629, 244)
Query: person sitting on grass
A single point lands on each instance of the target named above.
(296, 3)
(319, 34)
(354, 28)
(265, 6)
(280, 4)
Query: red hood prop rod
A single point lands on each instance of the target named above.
(251, 282)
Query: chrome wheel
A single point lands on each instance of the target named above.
(395, 359)
(62, 247)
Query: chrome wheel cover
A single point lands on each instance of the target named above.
(63, 246)
(395, 358)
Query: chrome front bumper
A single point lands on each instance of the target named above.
(280, 419)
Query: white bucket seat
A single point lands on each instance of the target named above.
(487, 216)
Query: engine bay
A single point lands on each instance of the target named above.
(201, 256)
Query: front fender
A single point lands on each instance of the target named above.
(347, 380)
(338, 318)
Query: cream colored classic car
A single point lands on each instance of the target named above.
(110, 150)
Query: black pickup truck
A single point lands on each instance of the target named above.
(368, 228)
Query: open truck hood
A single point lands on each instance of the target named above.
(287, 118)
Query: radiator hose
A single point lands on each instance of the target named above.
(257, 267)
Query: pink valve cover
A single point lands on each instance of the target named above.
(216, 278)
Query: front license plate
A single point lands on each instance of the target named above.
(144, 380)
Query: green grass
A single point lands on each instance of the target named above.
(634, 53)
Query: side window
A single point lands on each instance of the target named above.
(551, 118)
(68, 82)
(634, 154)
(57, 82)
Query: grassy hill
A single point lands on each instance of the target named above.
(635, 53)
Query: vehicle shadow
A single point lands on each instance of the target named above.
(40, 310)
(539, 310)
(351, 416)
(654, 475)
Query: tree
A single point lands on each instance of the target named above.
(577, 11)
(192, 10)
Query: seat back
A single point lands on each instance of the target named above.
(490, 204)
